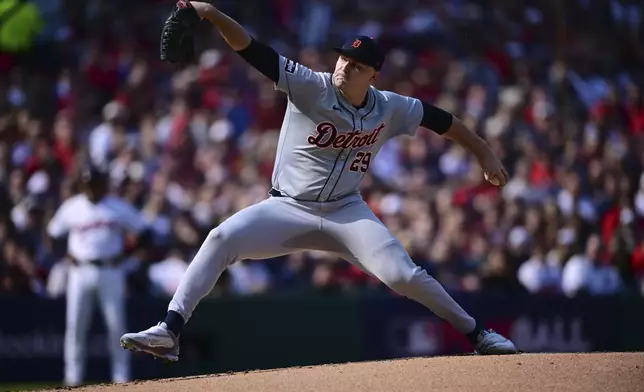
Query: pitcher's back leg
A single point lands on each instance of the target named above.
(374, 248)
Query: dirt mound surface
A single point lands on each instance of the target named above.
(606, 372)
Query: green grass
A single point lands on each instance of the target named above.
(34, 386)
(27, 386)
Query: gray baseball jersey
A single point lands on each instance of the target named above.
(324, 150)
(326, 144)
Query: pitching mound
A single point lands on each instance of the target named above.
(623, 372)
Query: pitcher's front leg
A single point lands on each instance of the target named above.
(256, 232)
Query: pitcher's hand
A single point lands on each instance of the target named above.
(493, 170)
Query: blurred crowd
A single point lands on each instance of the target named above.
(555, 87)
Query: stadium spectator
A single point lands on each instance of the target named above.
(586, 273)
(540, 273)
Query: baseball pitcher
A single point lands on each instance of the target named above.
(94, 224)
(333, 127)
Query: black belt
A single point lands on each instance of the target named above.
(111, 262)
(105, 262)
(275, 193)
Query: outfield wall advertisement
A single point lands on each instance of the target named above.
(270, 332)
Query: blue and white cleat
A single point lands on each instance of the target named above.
(492, 343)
(157, 341)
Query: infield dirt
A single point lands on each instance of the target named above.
(606, 372)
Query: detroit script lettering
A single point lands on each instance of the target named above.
(327, 137)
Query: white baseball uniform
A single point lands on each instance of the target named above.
(325, 148)
(95, 236)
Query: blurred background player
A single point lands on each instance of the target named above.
(95, 224)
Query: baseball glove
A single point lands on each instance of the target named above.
(177, 43)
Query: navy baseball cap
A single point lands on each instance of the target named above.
(364, 50)
(92, 174)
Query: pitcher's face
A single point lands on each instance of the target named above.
(350, 75)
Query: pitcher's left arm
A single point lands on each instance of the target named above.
(414, 112)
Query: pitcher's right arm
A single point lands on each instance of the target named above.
(298, 81)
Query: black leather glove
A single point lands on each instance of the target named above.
(177, 43)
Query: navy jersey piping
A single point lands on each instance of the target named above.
(353, 120)
(351, 149)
